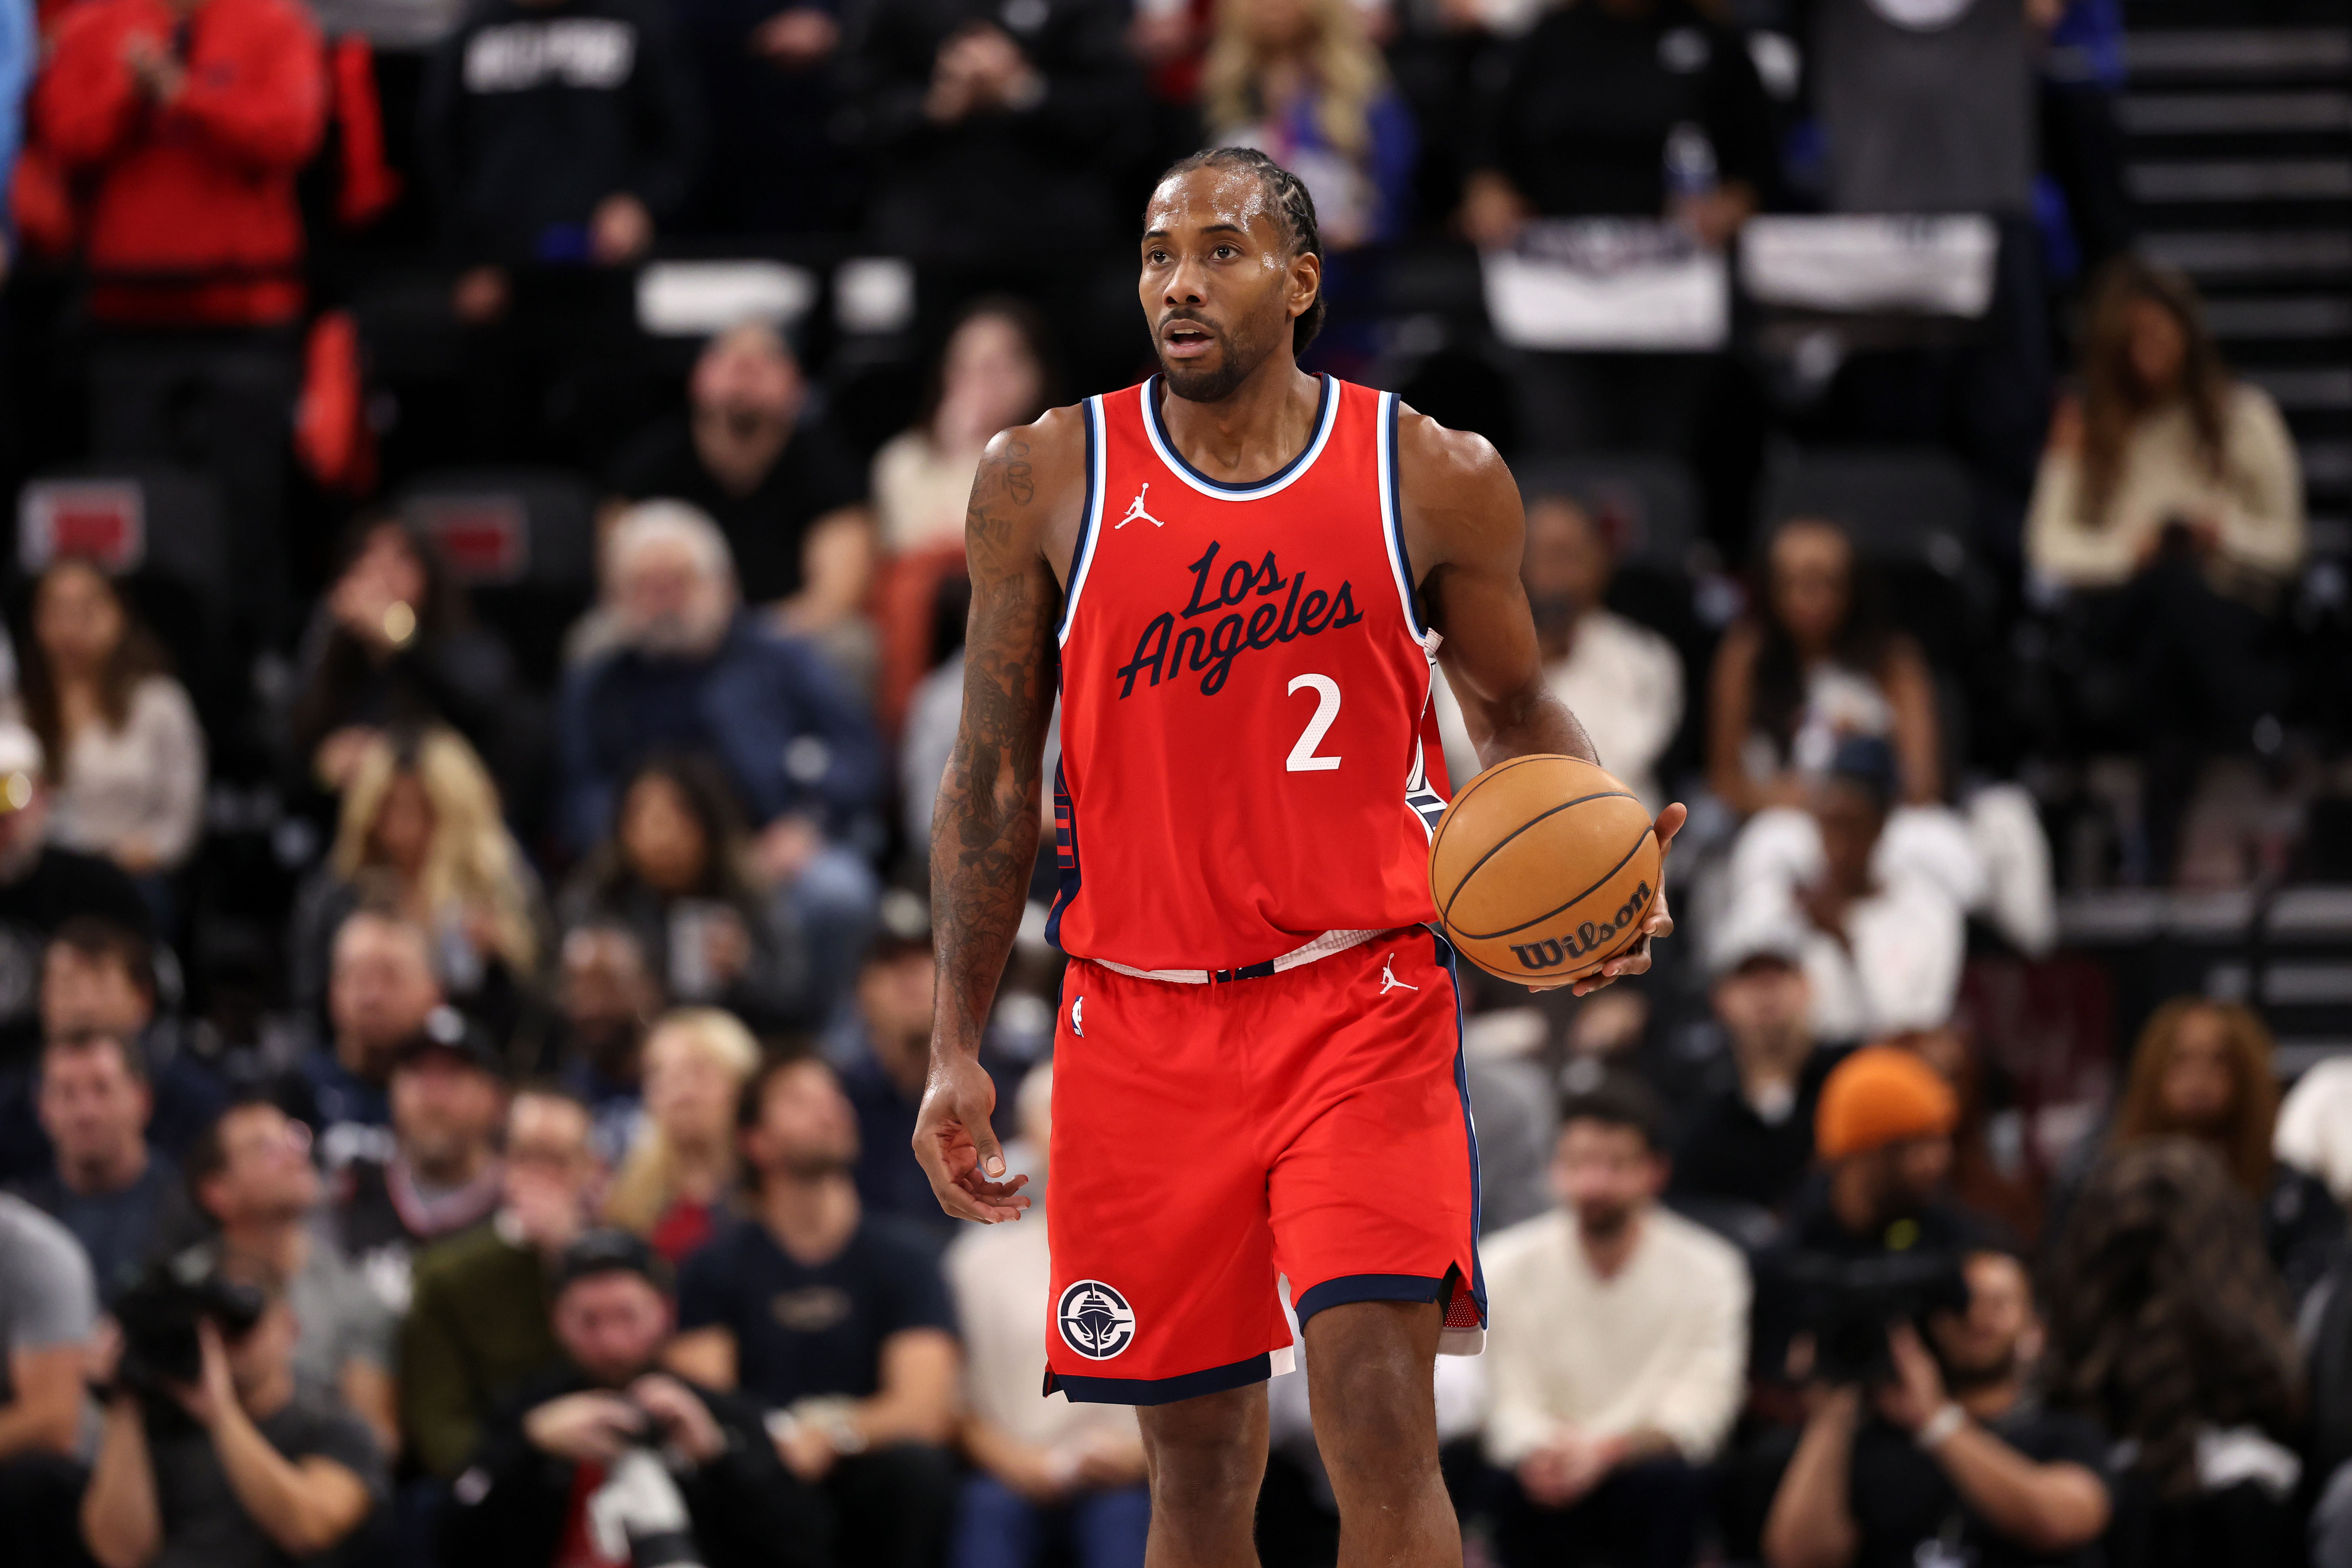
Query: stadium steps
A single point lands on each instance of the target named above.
(2239, 159)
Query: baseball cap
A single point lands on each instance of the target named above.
(608, 1252)
(1753, 929)
(1882, 1095)
(448, 1030)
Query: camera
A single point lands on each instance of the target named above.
(639, 1516)
(159, 1317)
(1848, 1303)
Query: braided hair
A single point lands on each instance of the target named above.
(1291, 202)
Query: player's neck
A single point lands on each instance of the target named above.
(1250, 434)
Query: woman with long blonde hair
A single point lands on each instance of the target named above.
(682, 1163)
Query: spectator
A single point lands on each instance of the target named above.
(421, 834)
(2169, 502)
(779, 160)
(834, 1321)
(448, 1102)
(267, 1469)
(250, 1174)
(2202, 1070)
(1879, 896)
(1043, 1468)
(678, 874)
(1636, 108)
(477, 1323)
(752, 455)
(1951, 1459)
(1747, 1141)
(98, 978)
(1300, 80)
(186, 120)
(394, 643)
(682, 1165)
(1603, 1432)
(125, 1203)
(42, 886)
(607, 998)
(98, 690)
(48, 1308)
(2170, 1329)
(692, 673)
(885, 1081)
(381, 991)
(568, 1471)
(1819, 663)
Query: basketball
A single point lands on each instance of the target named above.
(1543, 869)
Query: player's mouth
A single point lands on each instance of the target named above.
(1186, 340)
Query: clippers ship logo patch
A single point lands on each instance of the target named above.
(1096, 1320)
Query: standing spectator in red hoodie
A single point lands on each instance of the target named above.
(186, 120)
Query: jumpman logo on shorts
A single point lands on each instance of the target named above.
(1389, 982)
(1135, 510)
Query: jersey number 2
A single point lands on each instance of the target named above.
(1303, 759)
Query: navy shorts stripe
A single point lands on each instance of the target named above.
(1371, 1288)
(1159, 1390)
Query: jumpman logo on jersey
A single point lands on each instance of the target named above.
(1135, 510)
(1389, 982)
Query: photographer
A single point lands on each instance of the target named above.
(240, 1467)
(609, 1458)
(1948, 1460)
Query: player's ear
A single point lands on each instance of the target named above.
(1306, 282)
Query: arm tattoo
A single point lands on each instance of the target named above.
(1018, 477)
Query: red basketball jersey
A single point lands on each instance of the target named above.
(1250, 764)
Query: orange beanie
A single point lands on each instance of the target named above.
(1882, 1095)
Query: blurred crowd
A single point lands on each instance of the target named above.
(485, 634)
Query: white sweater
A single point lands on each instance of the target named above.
(1662, 1346)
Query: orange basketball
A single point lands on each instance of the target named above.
(1543, 869)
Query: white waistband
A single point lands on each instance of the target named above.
(1323, 946)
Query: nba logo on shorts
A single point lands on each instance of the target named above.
(1096, 1320)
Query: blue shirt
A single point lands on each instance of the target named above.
(803, 1329)
(121, 1231)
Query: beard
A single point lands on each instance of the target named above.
(1987, 1374)
(1198, 383)
(1604, 1222)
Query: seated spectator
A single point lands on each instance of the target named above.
(124, 1203)
(1593, 114)
(2170, 1328)
(1747, 1141)
(421, 834)
(2169, 502)
(1878, 896)
(606, 998)
(692, 673)
(478, 1322)
(1818, 664)
(1602, 1431)
(834, 1320)
(1952, 1458)
(784, 487)
(678, 874)
(681, 1168)
(250, 1175)
(1044, 1469)
(183, 126)
(42, 886)
(2202, 1070)
(394, 643)
(267, 1468)
(885, 1081)
(381, 990)
(98, 978)
(98, 690)
(607, 1458)
(448, 1091)
(48, 1308)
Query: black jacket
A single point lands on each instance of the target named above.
(509, 1507)
(532, 114)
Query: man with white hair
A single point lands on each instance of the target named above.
(687, 671)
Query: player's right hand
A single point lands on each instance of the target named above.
(958, 1149)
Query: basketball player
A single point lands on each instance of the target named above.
(1242, 579)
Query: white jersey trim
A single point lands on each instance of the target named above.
(1282, 480)
(1323, 946)
(1090, 525)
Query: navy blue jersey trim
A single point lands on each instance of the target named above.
(1451, 965)
(1066, 856)
(1159, 1390)
(1086, 532)
(1349, 1288)
(1314, 433)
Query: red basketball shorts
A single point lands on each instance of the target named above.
(1207, 1138)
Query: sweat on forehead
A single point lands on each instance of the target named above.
(1191, 198)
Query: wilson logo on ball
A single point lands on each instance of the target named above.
(1588, 937)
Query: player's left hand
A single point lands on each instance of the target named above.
(957, 1146)
(1635, 960)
